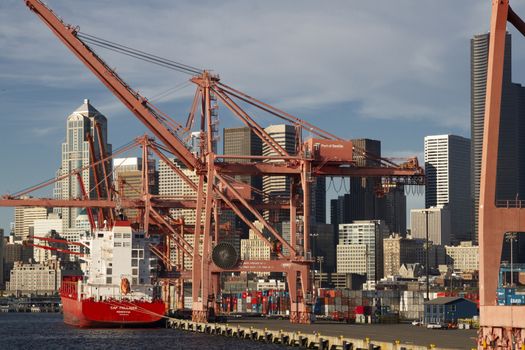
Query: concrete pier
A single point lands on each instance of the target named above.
(311, 340)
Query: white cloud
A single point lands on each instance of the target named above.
(395, 59)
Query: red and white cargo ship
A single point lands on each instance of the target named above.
(117, 288)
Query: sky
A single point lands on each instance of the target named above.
(395, 71)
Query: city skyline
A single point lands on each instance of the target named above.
(435, 63)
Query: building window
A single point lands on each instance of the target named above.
(109, 280)
(453, 308)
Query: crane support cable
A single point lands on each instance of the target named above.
(48, 182)
(110, 45)
(277, 112)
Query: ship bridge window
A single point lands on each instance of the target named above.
(109, 280)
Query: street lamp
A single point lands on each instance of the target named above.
(320, 260)
(511, 238)
(426, 254)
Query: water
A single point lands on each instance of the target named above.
(47, 331)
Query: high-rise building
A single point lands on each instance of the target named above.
(254, 248)
(398, 250)
(463, 257)
(76, 154)
(279, 186)
(49, 227)
(360, 248)
(324, 245)
(172, 185)
(363, 203)
(511, 149)
(40, 279)
(436, 219)
(275, 187)
(24, 221)
(244, 142)
(127, 176)
(447, 168)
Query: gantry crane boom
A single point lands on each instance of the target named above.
(136, 103)
(327, 156)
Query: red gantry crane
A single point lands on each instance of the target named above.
(501, 326)
(323, 155)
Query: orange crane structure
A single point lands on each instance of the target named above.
(501, 326)
(216, 189)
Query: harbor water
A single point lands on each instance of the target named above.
(47, 331)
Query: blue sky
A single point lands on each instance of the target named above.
(389, 70)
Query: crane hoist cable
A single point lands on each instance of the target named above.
(138, 54)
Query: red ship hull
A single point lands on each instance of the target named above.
(107, 313)
(111, 313)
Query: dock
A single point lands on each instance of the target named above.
(332, 336)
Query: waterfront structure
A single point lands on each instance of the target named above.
(437, 219)
(398, 250)
(511, 158)
(447, 310)
(464, 257)
(360, 248)
(127, 176)
(81, 124)
(30, 278)
(447, 168)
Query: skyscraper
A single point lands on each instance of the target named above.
(172, 185)
(279, 186)
(244, 142)
(360, 248)
(127, 174)
(24, 221)
(363, 203)
(447, 167)
(511, 149)
(75, 154)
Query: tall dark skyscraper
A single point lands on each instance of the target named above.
(362, 203)
(510, 182)
(242, 141)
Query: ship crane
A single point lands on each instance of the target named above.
(324, 155)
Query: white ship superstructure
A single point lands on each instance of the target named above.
(119, 264)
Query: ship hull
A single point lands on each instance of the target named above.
(89, 313)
